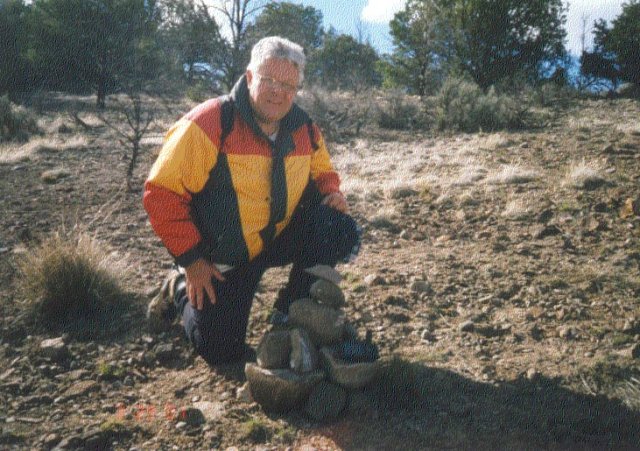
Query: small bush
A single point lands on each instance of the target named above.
(463, 106)
(16, 124)
(70, 285)
(199, 92)
(399, 112)
(340, 115)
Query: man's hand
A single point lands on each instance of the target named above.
(336, 201)
(199, 275)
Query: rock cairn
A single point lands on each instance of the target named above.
(314, 358)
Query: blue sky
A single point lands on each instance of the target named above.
(374, 16)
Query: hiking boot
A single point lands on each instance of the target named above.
(161, 311)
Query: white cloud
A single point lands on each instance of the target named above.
(381, 11)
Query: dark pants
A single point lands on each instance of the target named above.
(316, 234)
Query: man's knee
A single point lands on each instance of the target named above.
(335, 234)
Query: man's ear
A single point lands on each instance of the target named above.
(249, 76)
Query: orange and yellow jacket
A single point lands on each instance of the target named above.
(225, 201)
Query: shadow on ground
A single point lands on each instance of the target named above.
(427, 408)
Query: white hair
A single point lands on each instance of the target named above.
(277, 47)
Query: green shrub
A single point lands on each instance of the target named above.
(16, 124)
(69, 284)
(400, 112)
(463, 106)
(340, 115)
(199, 92)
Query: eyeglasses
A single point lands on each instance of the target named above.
(272, 83)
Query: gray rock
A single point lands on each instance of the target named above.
(467, 326)
(326, 401)
(547, 231)
(166, 352)
(325, 272)
(50, 440)
(280, 390)
(304, 355)
(211, 411)
(324, 324)
(274, 349)
(80, 389)
(327, 293)
(421, 286)
(244, 394)
(348, 375)
(191, 415)
(54, 349)
(374, 279)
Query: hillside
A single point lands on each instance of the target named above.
(525, 333)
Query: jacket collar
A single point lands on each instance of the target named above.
(294, 119)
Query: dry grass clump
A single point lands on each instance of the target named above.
(384, 219)
(11, 153)
(69, 284)
(584, 176)
(517, 209)
(470, 175)
(512, 175)
(16, 123)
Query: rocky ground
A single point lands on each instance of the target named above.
(500, 276)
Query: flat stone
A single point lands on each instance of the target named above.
(374, 279)
(54, 349)
(467, 326)
(304, 355)
(80, 388)
(324, 324)
(348, 375)
(327, 293)
(325, 272)
(326, 401)
(421, 286)
(274, 349)
(211, 411)
(280, 390)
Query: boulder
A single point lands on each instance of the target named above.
(324, 324)
(54, 349)
(304, 355)
(274, 349)
(327, 293)
(348, 375)
(280, 390)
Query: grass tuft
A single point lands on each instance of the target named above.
(69, 284)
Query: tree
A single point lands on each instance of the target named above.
(191, 35)
(235, 57)
(300, 24)
(616, 54)
(13, 48)
(489, 40)
(422, 37)
(344, 63)
(96, 44)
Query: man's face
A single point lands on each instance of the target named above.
(272, 89)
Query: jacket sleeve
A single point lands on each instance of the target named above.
(322, 172)
(182, 168)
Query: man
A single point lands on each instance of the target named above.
(244, 183)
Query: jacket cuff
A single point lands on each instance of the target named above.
(193, 254)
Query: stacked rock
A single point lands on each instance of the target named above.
(315, 357)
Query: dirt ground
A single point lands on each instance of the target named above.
(499, 274)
